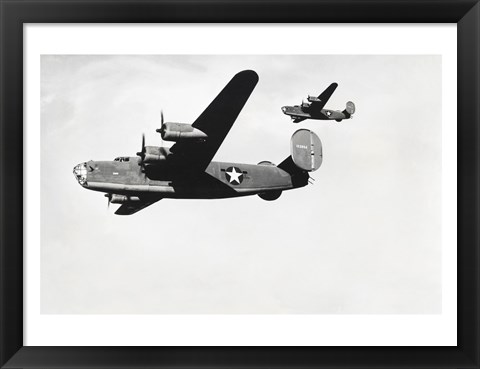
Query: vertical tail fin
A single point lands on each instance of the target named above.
(306, 156)
(349, 110)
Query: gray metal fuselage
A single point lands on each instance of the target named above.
(219, 180)
(323, 114)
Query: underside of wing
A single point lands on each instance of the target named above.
(130, 208)
(323, 98)
(298, 119)
(215, 122)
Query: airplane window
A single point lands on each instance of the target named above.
(80, 172)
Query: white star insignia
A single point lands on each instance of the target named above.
(234, 175)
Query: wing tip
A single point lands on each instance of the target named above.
(248, 74)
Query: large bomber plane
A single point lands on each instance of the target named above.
(314, 108)
(186, 170)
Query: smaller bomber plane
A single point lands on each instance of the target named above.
(313, 109)
(186, 170)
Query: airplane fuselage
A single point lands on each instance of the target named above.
(323, 114)
(220, 180)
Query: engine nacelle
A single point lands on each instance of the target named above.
(122, 199)
(181, 131)
(155, 154)
(313, 99)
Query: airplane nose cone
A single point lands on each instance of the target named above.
(284, 109)
(80, 173)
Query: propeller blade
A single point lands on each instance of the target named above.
(109, 197)
(161, 130)
(142, 152)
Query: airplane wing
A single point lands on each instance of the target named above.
(324, 97)
(215, 122)
(132, 208)
(298, 119)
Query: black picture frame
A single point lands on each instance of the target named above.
(15, 13)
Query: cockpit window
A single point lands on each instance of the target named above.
(80, 173)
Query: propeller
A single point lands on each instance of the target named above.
(142, 152)
(161, 130)
(109, 196)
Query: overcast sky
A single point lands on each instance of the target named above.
(366, 238)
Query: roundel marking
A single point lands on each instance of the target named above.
(234, 175)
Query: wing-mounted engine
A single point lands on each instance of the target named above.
(155, 154)
(313, 99)
(306, 150)
(121, 199)
(171, 131)
(181, 131)
(305, 106)
(152, 155)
